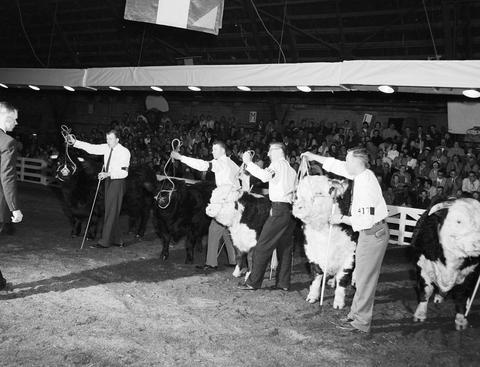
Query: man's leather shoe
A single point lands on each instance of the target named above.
(207, 267)
(246, 287)
(346, 320)
(6, 287)
(97, 245)
(277, 288)
(350, 328)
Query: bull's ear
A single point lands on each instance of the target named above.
(333, 191)
(440, 206)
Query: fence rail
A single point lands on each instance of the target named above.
(34, 170)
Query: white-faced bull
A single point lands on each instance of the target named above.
(313, 206)
(446, 240)
(244, 214)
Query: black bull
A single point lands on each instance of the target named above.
(181, 214)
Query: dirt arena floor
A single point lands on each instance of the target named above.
(125, 307)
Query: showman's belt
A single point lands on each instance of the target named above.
(374, 228)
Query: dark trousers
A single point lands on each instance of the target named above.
(277, 233)
(114, 191)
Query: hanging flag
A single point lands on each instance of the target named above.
(197, 15)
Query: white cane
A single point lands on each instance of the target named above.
(470, 302)
(324, 279)
(91, 212)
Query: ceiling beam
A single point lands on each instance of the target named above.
(299, 30)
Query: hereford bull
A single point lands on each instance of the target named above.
(180, 213)
(446, 240)
(244, 214)
(335, 257)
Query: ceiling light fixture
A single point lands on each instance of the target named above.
(34, 87)
(304, 88)
(386, 89)
(195, 89)
(70, 89)
(158, 89)
(92, 88)
(244, 88)
(115, 88)
(3, 85)
(471, 93)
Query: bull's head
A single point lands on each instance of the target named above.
(460, 232)
(315, 197)
(223, 204)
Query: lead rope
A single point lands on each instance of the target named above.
(176, 144)
(64, 170)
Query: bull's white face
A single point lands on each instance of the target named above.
(460, 233)
(315, 199)
(222, 204)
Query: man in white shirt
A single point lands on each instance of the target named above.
(277, 232)
(470, 184)
(368, 213)
(226, 173)
(115, 169)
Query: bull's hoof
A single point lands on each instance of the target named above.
(165, 257)
(311, 299)
(461, 322)
(438, 298)
(419, 319)
(138, 236)
(237, 273)
(338, 305)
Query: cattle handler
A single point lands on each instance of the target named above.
(226, 173)
(277, 232)
(116, 159)
(367, 216)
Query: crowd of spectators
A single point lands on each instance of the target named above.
(415, 166)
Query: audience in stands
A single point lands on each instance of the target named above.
(416, 167)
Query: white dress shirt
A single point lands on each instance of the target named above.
(281, 179)
(368, 204)
(226, 171)
(119, 161)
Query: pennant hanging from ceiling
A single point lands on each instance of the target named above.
(197, 15)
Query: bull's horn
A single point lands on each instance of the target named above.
(440, 206)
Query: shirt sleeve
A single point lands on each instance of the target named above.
(121, 171)
(198, 164)
(338, 167)
(264, 175)
(8, 174)
(97, 149)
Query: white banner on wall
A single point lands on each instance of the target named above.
(463, 116)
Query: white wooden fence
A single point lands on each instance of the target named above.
(401, 222)
(34, 171)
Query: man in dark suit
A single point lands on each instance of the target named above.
(9, 211)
